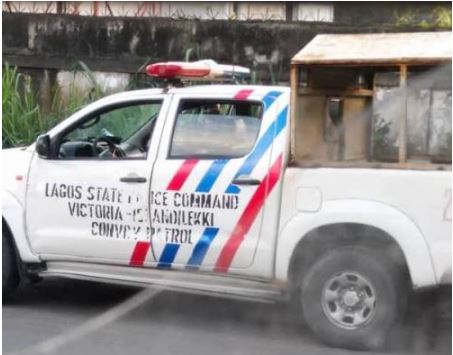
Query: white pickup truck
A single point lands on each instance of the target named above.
(321, 194)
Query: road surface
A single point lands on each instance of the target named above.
(75, 317)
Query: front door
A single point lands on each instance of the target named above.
(90, 202)
(213, 173)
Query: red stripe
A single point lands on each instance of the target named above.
(182, 174)
(243, 94)
(139, 253)
(248, 216)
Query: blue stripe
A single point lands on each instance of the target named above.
(269, 98)
(211, 175)
(263, 144)
(217, 166)
(168, 255)
(201, 248)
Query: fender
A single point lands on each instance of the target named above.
(13, 215)
(376, 214)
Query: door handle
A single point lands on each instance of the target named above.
(133, 179)
(246, 180)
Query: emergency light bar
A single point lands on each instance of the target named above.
(200, 70)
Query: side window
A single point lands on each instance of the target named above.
(210, 129)
(120, 133)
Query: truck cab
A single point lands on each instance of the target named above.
(334, 194)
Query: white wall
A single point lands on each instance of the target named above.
(204, 10)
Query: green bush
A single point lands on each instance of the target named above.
(24, 119)
(438, 18)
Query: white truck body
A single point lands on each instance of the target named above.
(413, 207)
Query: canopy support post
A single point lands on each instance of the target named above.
(402, 138)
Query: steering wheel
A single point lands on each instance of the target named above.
(114, 149)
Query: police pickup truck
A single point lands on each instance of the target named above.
(334, 194)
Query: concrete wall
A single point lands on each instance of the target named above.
(48, 45)
(44, 45)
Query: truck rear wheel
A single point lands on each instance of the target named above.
(10, 273)
(352, 296)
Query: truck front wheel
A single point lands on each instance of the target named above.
(352, 296)
(10, 274)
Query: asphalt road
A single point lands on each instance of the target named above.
(74, 317)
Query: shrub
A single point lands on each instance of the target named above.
(24, 119)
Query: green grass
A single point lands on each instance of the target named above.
(24, 119)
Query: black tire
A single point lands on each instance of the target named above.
(375, 300)
(10, 273)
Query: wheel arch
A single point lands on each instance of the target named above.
(365, 223)
(13, 219)
(311, 247)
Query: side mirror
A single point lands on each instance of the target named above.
(335, 107)
(43, 146)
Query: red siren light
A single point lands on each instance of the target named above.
(163, 70)
(201, 70)
(171, 70)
